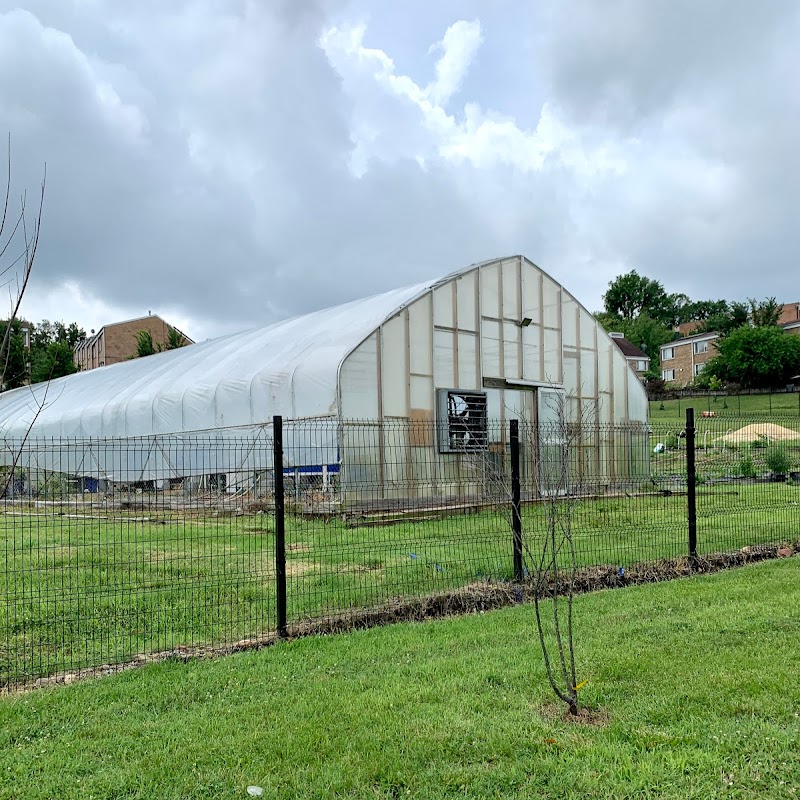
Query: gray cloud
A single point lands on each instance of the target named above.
(622, 61)
(703, 93)
(199, 154)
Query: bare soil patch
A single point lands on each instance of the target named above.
(559, 712)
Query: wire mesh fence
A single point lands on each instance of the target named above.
(672, 404)
(123, 551)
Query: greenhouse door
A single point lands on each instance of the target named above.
(552, 439)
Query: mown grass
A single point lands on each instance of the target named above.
(693, 684)
(81, 592)
(777, 404)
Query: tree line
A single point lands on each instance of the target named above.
(47, 353)
(753, 351)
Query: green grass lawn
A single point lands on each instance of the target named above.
(80, 592)
(694, 685)
(778, 404)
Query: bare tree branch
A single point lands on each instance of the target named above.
(20, 268)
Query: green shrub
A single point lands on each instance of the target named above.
(777, 460)
(757, 443)
(52, 488)
(746, 467)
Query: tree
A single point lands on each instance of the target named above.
(52, 346)
(55, 361)
(550, 554)
(759, 357)
(144, 344)
(765, 312)
(735, 315)
(15, 364)
(702, 310)
(631, 294)
(648, 335)
(45, 332)
(146, 347)
(726, 320)
(175, 339)
(19, 243)
(554, 557)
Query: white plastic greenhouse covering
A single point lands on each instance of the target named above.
(169, 414)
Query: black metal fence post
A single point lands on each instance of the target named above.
(691, 487)
(280, 525)
(516, 501)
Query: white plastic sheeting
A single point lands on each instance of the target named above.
(192, 411)
(238, 381)
(181, 455)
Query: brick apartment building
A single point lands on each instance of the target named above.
(684, 359)
(789, 319)
(117, 342)
(792, 327)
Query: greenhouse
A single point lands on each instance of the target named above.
(414, 381)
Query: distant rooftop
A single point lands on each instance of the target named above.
(629, 349)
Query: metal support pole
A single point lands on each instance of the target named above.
(280, 525)
(691, 488)
(516, 501)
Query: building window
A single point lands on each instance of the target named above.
(700, 347)
(698, 368)
(667, 374)
(641, 366)
(667, 353)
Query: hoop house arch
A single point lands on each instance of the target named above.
(375, 376)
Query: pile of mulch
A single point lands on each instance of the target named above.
(768, 431)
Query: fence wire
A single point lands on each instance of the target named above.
(125, 551)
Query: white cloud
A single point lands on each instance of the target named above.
(418, 126)
(235, 161)
(459, 46)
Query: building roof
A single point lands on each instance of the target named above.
(629, 349)
(698, 337)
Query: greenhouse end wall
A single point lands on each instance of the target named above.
(504, 328)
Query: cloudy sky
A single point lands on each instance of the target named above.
(228, 163)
